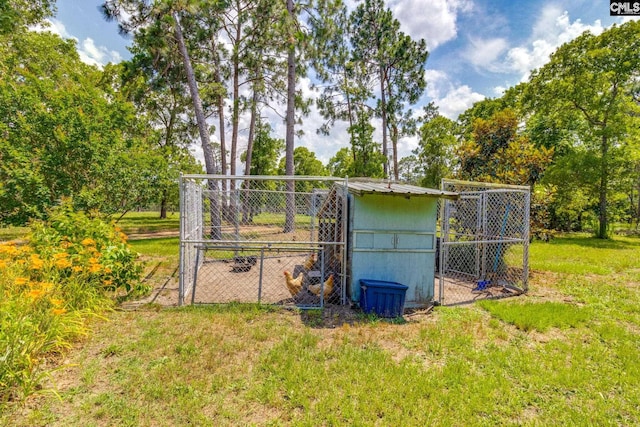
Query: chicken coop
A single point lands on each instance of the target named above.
(392, 237)
(274, 240)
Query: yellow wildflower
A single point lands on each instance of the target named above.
(21, 281)
(88, 242)
(36, 262)
(76, 269)
(123, 237)
(55, 302)
(107, 270)
(107, 282)
(65, 244)
(35, 293)
(62, 263)
(94, 268)
(58, 311)
(46, 286)
(60, 255)
(3, 264)
(9, 248)
(93, 260)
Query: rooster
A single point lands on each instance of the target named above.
(310, 262)
(328, 287)
(294, 285)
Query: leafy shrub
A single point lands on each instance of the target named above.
(72, 267)
(87, 249)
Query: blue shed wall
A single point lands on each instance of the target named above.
(392, 238)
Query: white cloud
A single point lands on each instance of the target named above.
(437, 82)
(87, 49)
(550, 31)
(96, 55)
(484, 53)
(499, 90)
(450, 98)
(56, 27)
(434, 20)
(457, 101)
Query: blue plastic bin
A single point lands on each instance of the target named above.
(386, 299)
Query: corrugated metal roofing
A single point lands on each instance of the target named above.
(366, 187)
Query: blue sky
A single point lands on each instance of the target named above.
(477, 48)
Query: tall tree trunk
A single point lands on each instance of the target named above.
(394, 142)
(167, 143)
(220, 101)
(209, 159)
(604, 184)
(383, 114)
(290, 119)
(350, 110)
(163, 206)
(236, 95)
(246, 215)
(231, 210)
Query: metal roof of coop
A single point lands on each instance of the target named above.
(384, 187)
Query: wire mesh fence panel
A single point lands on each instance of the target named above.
(263, 239)
(484, 242)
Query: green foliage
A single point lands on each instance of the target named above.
(96, 251)
(394, 61)
(15, 15)
(306, 164)
(368, 160)
(341, 163)
(436, 151)
(66, 132)
(266, 151)
(587, 89)
(497, 153)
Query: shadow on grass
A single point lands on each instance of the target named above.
(335, 315)
(616, 242)
(230, 308)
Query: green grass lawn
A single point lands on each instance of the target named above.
(149, 222)
(567, 353)
(131, 223)
(11, 233)
(157, 247)
(582, 254)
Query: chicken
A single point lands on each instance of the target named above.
(328, 287)
(294, 285)
(310, 262)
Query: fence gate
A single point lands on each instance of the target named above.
(277, 240)
(484, 242)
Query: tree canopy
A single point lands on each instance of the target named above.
(117, 137)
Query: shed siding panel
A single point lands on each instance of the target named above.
(393, 240)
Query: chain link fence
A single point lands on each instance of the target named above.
(484, 242)
(277, 240)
